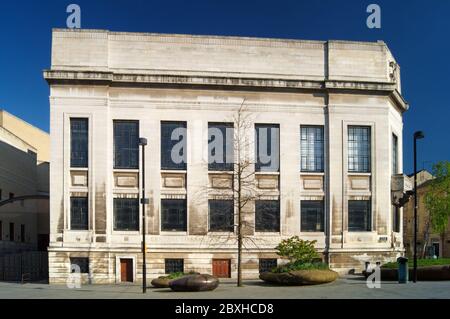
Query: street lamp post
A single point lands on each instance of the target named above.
(143, 143)
(417, 135)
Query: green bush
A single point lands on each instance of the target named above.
(420, 263)
(292, 266)
(297, 250)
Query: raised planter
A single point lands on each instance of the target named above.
(300, 277)
(428, 273)
(194, 283)
(161, 282)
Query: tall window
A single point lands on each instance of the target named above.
(79, 133)
(12, 234)
(79, 213)
(173, 145)
(220, 146)
(173, 215)
(312, 216)
(22, 233)
(359, 215)
(126, 144)
(1, 230)
(221, 215)
(359, 149)
(394, 154)
(396, 219)
(267, 140)
(126, 214)
(174, 265)
(311, 145)
(267, 216)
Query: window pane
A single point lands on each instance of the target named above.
(126, 214)
(359, 153)
(267, 216)
(221, 215)
(173, 137)
(174, 265)
(220, 146)
(267, 140)
(267, 264)
(173, 215)
(79, 142)
(79, 213)
(359, 215)
(396, 219)
(311, 145)
(81, 262)
(126, 144)
(312, 216)
(394, 154)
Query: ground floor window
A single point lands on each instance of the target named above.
(221, 215)
(312, 216)
(173, 215)
(126, 214)
(267, 264)
(359, 215)
(174, 265)
(81, 263)
(267, 216)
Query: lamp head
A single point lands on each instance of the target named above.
(142, 141)
(418, 135)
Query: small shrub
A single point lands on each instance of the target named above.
(297, 250)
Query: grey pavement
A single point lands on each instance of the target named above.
(351, 287)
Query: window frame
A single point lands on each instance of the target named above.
(225, 228)
(304, 165)
(130, 227)
(73, 160)
(71, 200)
(84, 268)
(260, 167)
(369, 226)
(133, 150)
(181, 227)
(394, 154)
(258, 227)
(225, 166)
(302, 215)
(167, 261)
(165, 165)
(354, 159)
(268, 268)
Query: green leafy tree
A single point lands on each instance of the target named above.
(297, 250)
(437, 199)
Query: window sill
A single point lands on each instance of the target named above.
(125, 170)
(221, 172)
(312, 173)
(173, 171)
(268, 233)
(79, 169)
(173, 233)
(359, 174)
(267, 173)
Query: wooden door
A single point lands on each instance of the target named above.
(221, 268)
(126, 270)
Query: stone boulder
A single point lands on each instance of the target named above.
(300, 277)
(194, 283)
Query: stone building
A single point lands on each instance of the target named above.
(335, 108)
(24, 174)
(429, 244)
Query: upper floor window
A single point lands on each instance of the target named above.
(394, 154)
(311, 145)
(220, 146)
(126, 214)
(79, 213)
(267, 216)
(359, 154)
(267, 139)
(312, 216)
(79, 132)
(173, 215)
(173, 145)
(126, 144)
(221, 215)
(359, 215)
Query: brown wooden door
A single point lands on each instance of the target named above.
(221, 268)
(126, 270)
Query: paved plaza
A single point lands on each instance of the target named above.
(348, 287)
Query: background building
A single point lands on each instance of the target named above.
(336, 105)
(24, 171)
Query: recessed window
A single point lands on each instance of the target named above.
(359, 153)
(173, 145)
(396, 219)
(267, 139)
(220, 146)
(174, 266)
(267, 216)
(312, 216)
(79, 133)
(311, 148)
(80, 264)
(267, 264)
(126, 144)
(79, 213)
(22, 233)
(126, 214)
(221, 215)
(1, 230)
(394, 154)
(173, 215)
(12, 234)
(359, 215)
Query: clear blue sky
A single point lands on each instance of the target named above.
(417, 32)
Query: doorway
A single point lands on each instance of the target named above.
(126, 270)
(221, 268)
